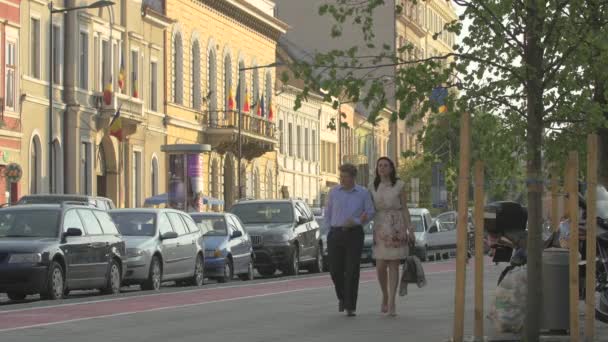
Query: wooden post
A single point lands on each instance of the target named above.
(592, 172)
(573, 244)
(479, 209)
(555, 201)
(462, 223)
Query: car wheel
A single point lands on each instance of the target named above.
(198, 277)
(318, 265)
(114, 279)
(267, 271)
(55, 284)
(155, 276)
(228, 272)
(424, 255)
(293, 268)
(15, 296)
(325, 264)
(249, 274)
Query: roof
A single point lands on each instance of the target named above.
(266, 201)
(418, 211)
(143, 210)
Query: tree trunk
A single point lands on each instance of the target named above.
(533, 59)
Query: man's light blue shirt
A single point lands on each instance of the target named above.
(343, 204)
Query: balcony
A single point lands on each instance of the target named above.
(131, 108)
(257, 134)
(355, 159)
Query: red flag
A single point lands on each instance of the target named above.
(246, 105)
(121, 74)
(116, 126)
(230, 100)
(107, 93)
(270, 113)
(259, 104)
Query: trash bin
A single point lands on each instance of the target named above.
(555, 294)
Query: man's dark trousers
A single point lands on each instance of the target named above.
(344, 247)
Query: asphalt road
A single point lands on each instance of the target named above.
(300, 308)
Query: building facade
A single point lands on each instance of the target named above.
(106, 61)
(220, 56)
(10, 115)
(415, 26)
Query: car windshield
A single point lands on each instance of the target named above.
(135, 224)
(249, 213)
(417, 223)
(29, 223)
(211, 225)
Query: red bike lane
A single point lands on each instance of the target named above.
(64, 313)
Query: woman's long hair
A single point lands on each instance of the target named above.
(393, 174)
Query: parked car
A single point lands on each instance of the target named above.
(448, 220)
(228, 246)
(52, 249)
(162, 245)
(285, 235)
(368, 242)
(432, 238)
(323, 243)
(94, 201)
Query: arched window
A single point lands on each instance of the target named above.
(212, 87)
(35, 165)
(228, 82)
(56, 182)
(178, 69)
(154, 176)
(196, 75)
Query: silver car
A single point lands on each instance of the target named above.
(432, 238)
(162, 245)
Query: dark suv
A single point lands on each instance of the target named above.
(51, 249)
(93, 201)
(284, 233)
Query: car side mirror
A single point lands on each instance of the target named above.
(302, 220)
(73, 232)
(236, 234)
(433, 229)
(168, 235)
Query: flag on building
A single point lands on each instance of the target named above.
(262, 109)
(116, 125)
(121, 74)
(270, 113)
(260, 104)
(107, 93)
(135, 92)
(246, 105)
(438, 96)
(230, 100)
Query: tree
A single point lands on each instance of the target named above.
(521, 60)
(491, 142)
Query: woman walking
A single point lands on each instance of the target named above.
(392, 230)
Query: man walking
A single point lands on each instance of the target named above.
(349, 207)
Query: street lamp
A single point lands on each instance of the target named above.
(240, 142)
(53, 10)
